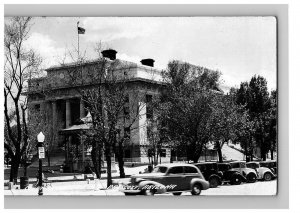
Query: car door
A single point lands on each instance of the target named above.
(175, 176)
(189, 173)
(236, 166)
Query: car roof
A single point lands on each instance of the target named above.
(175, 164)
(252, 162)
(200, 163)
(269, 161)
(238, 161)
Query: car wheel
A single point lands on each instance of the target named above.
(177, 193)
(267, 176)
(196, 189)
(236, 180)
(251, 178)
(213, 182)
(149, 190)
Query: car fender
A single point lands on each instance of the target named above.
(204, 183)
(160, 188)
(266, 171)
(252, 173)
(237, 174)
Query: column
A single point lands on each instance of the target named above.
(68, 113)
(54, 122)
(82, 110)
(69, 138)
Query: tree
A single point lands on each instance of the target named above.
(273, 123)
(187, 106)
(20, 64)
(103, 86)
(255, 97)
(225, 121)
(39, 121)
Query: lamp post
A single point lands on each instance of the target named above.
(41, 153)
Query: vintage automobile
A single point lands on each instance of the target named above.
(211, 173)
(264, 173)
(230, 175)
(272, 164)
(167, 178)
(240, 166)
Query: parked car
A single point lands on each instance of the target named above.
(211, 173)
(272, 164)
(240, 166)
(170, 178)
(264, 173)
(230, 175)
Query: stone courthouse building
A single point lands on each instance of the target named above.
(68, 115)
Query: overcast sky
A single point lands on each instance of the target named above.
(239, 47)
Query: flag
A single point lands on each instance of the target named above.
(81, 30)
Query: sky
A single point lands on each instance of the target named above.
(239, 47)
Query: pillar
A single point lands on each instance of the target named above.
(54, 122)
(82, 111)
(68, 113)
(68, 124)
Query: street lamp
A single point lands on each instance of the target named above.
(41, 153)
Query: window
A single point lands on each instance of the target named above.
(148, 98)
(149, 133)
(189, 169)
(126, 99)
(37, 107)
(126, 112)
(163, 153)
(127, 153)
(127, 133)
(235, 165)
(176, 170)
(149, 108)
(160, 169)
(150, 152)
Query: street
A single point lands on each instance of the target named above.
(98, 188)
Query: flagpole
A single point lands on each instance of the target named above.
(78, 40)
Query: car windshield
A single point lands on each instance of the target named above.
(264, 164)
(160, 169)
(243, 165)
(252, 165)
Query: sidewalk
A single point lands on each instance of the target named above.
(73, 179)
(93, 187)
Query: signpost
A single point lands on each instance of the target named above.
(41, 153)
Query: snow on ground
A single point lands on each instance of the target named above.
(231, 154)
(98, 188)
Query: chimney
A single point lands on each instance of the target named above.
(110, 53)
(148, 62)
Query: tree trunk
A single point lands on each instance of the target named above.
(94, 155)
(14, 169)
(108, 163)
(220, 155)
(272, 154)
(121, 160)
(48, 158)
(25, 170)
(219, 150)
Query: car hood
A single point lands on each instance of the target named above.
(246, 170)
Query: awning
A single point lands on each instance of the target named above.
(84, 124)
(75, 128)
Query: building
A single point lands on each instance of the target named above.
(68, 115)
